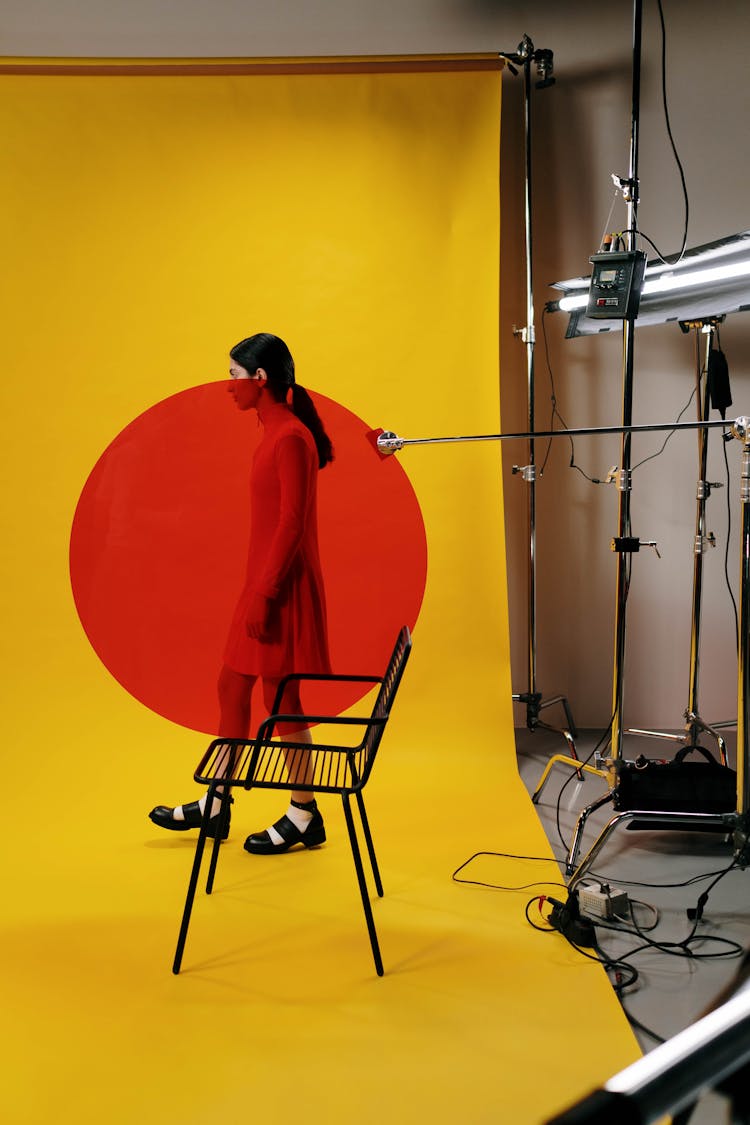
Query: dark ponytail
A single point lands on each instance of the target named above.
(271, 353)
(304, 408)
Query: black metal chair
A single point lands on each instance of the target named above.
(268, 761)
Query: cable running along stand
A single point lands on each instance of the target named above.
(526, 56)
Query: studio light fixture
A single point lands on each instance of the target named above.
(709, 280)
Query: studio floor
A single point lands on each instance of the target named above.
(278, 1010)
(667, 871)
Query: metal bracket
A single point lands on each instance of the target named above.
(528, 472)
(705, 487)
(527, 334)
(704, 541)
(628, 187)
(630, 545)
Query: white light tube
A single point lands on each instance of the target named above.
(668, 283)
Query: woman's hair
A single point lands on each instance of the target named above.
(272, 354)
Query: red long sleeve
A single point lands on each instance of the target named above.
(295, 481)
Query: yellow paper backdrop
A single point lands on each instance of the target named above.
(156, 220)
(149, 223)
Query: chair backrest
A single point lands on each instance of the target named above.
(384, 700)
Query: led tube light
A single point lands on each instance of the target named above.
(710, 280)
(669, 283)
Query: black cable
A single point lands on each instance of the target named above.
(679, 949)
(617, 966)
(555, 413)
(675, 948)
(652, 244)
(593, 753)
(726, 437)
(610, 964)
(542, 929)
(682, 948)
(625, 974)
(575, 772)
(498, 886)
(680, 169)
(553, 394)
(669, 134)
(635, 902)
(670, 435)
(668, 886)
(726, 546)
(638, 1026)
(621, 965)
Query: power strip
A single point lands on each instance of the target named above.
(602, 901)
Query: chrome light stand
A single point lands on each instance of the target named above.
(535, 703)
(624, 544)
(737, 823)
(694, 724)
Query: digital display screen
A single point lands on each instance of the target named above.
(608, 276)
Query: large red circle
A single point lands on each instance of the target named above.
(159, 544)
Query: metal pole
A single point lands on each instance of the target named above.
(529, 341)
(532, 697)
(743, 683)
(703, 403)
(387, 442)
(628, 345)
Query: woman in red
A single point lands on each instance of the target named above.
(279, 625)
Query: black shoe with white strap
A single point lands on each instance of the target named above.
(311, 836)
(192, 817)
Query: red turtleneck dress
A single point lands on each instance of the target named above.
(283, 562)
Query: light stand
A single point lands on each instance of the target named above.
(626, 543)
(525, 56)
(630, 189)
(624, 484)
(694, 724)
(737, 823)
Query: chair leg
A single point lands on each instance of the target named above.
(362, 885)
(192, 885)
(368, 841)
(223, 814)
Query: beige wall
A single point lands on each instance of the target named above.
(581, 128)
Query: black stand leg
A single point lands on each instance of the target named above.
(192, 885)
(362, 885)
(368, 841)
